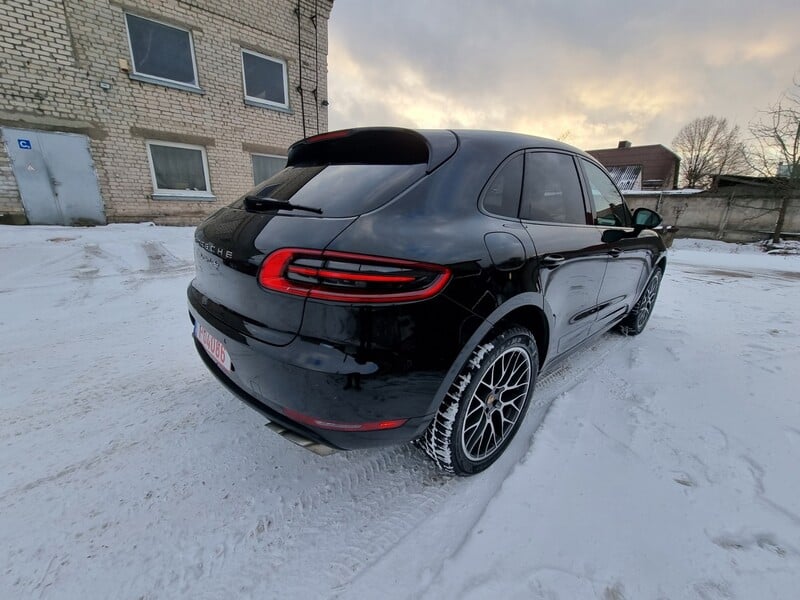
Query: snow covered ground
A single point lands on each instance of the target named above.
(666, 466)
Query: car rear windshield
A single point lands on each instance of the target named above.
(339, 190)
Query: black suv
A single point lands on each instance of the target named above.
(392, 285)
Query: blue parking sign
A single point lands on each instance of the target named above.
(24, 144)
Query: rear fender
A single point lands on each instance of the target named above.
(481, 333)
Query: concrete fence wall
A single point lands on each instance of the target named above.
(732, 217)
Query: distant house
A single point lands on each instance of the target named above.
(651, 167)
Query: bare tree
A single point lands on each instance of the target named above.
(708, 147)
(775, 151)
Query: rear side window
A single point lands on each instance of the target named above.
(608, 202)
(552, 190)
(501, 196)
(338, 190)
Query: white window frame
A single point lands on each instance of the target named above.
(136, 74)
(261, 101)
(168, 193)
(252, 154)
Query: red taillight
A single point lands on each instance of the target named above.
(330, 135)
(340, 426)
(346, 277)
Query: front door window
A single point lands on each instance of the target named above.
(609, 205)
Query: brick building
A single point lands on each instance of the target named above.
(162, 110)
(653, 167)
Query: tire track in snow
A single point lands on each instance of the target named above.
(548, 389)
(378, 500)
(82, 465)
(366, 484)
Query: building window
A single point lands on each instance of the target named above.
(179, 170)
(161, 53)
(265, 80)
(266, 165)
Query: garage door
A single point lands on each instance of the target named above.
(55, 176)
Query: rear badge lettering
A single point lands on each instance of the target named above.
(216, 250)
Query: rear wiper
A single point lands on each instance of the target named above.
(258, 203)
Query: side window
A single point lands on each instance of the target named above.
(501, 196)
(552, 190)
(608, 202)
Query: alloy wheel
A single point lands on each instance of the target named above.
(496, 404)
(647, 301)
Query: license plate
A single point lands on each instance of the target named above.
(213, 346)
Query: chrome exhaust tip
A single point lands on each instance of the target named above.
(304, 442)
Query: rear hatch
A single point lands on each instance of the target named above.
(328, 182)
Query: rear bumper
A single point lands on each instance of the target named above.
(315, 378)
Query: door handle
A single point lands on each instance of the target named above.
(614, 252)
(552, 260)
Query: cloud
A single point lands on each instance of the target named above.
(591, 72)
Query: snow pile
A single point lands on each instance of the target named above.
(680, 192)
(665, 465)
(785, 247)
(715, 246)
(782, 247)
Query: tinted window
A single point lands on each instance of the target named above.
(264, 79)
(608, 202)
(339, 190)
(161, 51)
(265, 166)
(552, 190)
(502, 194)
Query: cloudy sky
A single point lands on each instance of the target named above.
(589, 72)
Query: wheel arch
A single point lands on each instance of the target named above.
(534, 320)
(524, 310)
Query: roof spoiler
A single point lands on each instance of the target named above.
(375, 145)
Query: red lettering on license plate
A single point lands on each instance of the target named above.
(214, 347)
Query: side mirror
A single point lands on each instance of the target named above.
(644, 218)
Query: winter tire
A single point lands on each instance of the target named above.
(636, 320)
(485, 405)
